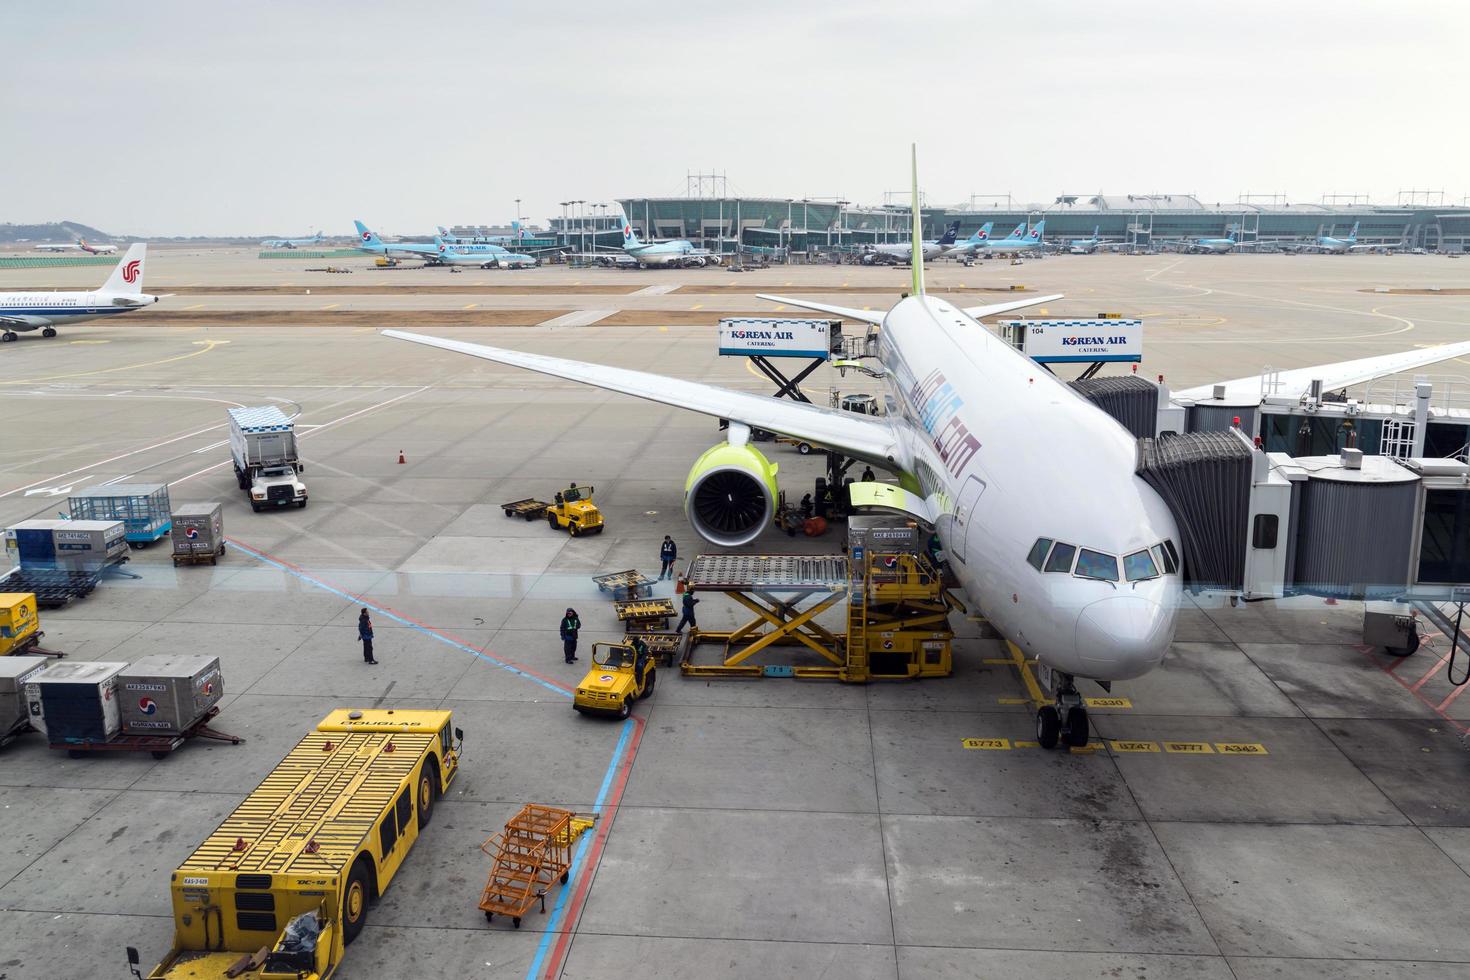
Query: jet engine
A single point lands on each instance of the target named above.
(730, 497)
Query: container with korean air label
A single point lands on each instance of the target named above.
(777, 337)
(1076, 341)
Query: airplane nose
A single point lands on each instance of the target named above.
(1124, 636)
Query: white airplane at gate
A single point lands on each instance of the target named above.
(1031, 488)
(122, 292)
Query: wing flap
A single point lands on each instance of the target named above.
(854, 435)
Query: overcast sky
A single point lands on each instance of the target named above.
(200, 118)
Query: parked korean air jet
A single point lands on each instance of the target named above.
(122, 292)
(484, 255)
(1032, 489)
(315, 239)
(449, 237)
(1019, 241)
(368, 241)
(902, 252)
(670, 253)
(1341, 246)
(1085, 246)
(968, 247)
(1207, 246)
(81, 244)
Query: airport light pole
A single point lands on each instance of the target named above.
(786, 250)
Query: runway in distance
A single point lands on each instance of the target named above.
(81, 244)
(988, 449)
(123, 291)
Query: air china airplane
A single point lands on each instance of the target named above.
(122, 292)
(1031, 488)
(81, 245)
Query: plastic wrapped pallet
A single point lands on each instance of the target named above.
(75, 701)
(167, 693)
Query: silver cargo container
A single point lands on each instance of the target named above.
(885, 534)
(15, 672)
(167, 693)
(198, 529)
(81, 545)
(75, 701)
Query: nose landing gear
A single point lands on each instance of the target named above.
(1065, 721)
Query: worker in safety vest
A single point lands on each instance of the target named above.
(571, 624)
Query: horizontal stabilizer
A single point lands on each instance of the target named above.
(846, 312)
(979, 312)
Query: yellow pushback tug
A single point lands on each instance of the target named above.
(284, 884)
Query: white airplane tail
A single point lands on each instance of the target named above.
(127, 276)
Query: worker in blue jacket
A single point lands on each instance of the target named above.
(365, 636)
(571, 624)
(668, 553)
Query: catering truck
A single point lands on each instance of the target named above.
(267, 467)
(286, 882)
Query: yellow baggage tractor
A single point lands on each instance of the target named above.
(18, 622)
(285, 883)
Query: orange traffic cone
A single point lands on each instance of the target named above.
(400, 457)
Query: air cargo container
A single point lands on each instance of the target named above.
(198, 533)
(75, 702)
(168, 692)
(15, 673)
(76, 545)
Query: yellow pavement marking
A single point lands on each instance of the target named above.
(1241, 748)
(470, 306)
(1189, 748)
(364, 329)
(331, 306)
(697, 306)
(1108, 702)
(1083, 749)
(986, 743)
(196, 306)
(666, 330)
(91, 341)
(1018, 660)
(1028, 745)
(1118, 745)
(782, 307)
(207, 346)
(1013, 700)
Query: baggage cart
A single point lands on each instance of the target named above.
(157, 745)
(627, 584)
(53, 587)
(198, 533)
(666, 646)
(530, 508)
(143, 509)
(644, 615)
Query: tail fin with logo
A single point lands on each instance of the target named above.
(1353, 235)
(1038, 231)
(515, 226)
(630, 237)
(127, 277)
(366, 236)
(1017, 231)
(444, 234)
(983, 233)
(916, 246)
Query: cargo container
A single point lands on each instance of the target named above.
(168, 692)
(75, 702)
(78, 545)
(18, 622)
(198, 532)
(143, 509)
(885, 534)
(267, 466)
(307, 854)
(15, 673)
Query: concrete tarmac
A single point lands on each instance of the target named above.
(1275, 801)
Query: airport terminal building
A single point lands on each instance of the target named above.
(1128, 219)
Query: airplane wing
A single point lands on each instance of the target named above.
(23, 322)
(1343, 374)
(995, 309)
(862, 436)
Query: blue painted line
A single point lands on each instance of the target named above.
(409, 623)
(561, 898)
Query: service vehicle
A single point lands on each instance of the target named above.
(286, 882)
(621, 673)
(575, 511)
(267, 466)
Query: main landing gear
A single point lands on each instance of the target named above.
(48, 331)
(1065, 721)
(9, 337)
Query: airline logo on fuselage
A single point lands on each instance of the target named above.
(938, 406)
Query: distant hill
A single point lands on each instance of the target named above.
(56, 231)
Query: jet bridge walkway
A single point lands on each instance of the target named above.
(896, 618)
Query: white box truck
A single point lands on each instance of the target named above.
(267, 467)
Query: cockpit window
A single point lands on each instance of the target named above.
(1038, 553)
(1095, 564)
(1061, 558)
(1139, 566)
(1166, 556)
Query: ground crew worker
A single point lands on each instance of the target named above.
(668, 553)
(640, 658)
(365, 636)
(570, 625)
(868, 476)
(688, 617)
(806, 506)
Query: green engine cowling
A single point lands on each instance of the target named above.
(730, 496)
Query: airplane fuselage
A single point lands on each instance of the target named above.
(35, 311)
(1006, 454)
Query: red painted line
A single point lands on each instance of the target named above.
(1438, 665)
(594, 854)
(1451, 698)
(1459, 728)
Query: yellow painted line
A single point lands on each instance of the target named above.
(1118, 745)
(331, 306)
(1108, 702)
(663, 329)
(91, 341)
(1012, 700)
(196, 306)
(208, 345)
(470, 306)
(1241, 748)
(1018, 660)
(782, 307)
(1082, 749)
(364, 329)
(1189, 748)
(1028, 745)
(697, 306)
(986, 743)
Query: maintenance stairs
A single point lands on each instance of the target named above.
(533, 851)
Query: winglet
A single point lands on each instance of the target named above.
(917, 250)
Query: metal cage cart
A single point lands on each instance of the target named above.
(142, 507)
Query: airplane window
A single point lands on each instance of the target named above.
(1171, 557)
(1095, 564)
(1061, 558)
(1159, 557)
(1038, 552)
(1139, 566)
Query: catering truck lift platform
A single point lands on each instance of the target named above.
(284, 884)
(897, 616)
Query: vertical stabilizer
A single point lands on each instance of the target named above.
(127, 277)
(917, 249)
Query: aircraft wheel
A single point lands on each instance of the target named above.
(1048, 726)
(1077, 726)
(48, 332)
(7, 337)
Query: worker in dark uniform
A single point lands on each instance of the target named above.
(570, 626)
(868, 476)
(668, 553)
(806, 506)
(640, 658)
(365, 636)
(688, 617)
